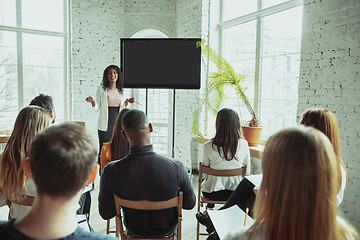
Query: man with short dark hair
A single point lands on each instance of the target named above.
(46, 102)
(144, 175)
(60, 162)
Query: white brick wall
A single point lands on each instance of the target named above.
(192, 16)
(329, 78)
(95, 27)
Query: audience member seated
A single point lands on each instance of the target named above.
(297, 196)
(118, 147)
(14, 182)
(144, 175)
(227, 150)
(61, 160)
(322, 119)
(46, 102)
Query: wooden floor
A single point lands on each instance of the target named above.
(99, 225)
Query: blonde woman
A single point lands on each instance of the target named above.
(325, 121)
(297, 196)
(13, 180)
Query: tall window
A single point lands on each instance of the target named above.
(33, 45)
(261, 39)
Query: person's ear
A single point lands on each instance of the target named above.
(27, 168)
(123, 134)
(150, 127)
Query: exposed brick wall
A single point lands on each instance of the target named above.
(191, 17)
(160, 14)
(329, 78)
(95, 30)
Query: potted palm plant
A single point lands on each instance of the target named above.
(214, 94)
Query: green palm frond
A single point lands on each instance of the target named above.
(214, 94)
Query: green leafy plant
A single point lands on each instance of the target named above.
(214, 94)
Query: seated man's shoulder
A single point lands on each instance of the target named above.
(7, 230)
(173, 161)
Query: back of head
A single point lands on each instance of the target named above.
(298, 190)
(228, 132)
(325, 121)
(43, 101)
(134, 121)
(28, 123)
(61, 159)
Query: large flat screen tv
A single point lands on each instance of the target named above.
(161, 63)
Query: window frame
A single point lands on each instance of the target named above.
(258, 16)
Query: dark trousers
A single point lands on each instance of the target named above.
(243, 196)
(105, 136)
(221, 195)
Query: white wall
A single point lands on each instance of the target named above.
(329, 78)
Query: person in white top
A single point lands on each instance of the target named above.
(13, 180)
(109, 98)
(297, 196)
(227, 150)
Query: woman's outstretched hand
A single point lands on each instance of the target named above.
(90, 100)
(129, 100)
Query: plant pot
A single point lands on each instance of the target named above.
(252, 135)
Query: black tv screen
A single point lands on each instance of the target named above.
(161, 63)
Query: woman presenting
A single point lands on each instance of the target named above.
(109, 97)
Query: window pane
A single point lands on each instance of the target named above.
(8, 80)
(158, 108)
(8, 13)
(159, 139)
(159, 111)
(280, 70)
(239, 46)
(43, 15)
(238, 8)
(43, 58)
(270, 3)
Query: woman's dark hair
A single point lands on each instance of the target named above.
(118, 143)
(119, 82)
(228, 132)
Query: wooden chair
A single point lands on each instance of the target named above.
(147, 205)
(26, 200)
(220, 173)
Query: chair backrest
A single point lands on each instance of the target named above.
(147, 205)
(25, 200)
(221, 173)
(215, 172)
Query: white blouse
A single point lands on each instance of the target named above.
(212, 158)
(18, 211)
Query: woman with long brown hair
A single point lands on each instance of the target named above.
(118, 147)
(297, 196)
(14, 182)
(325, 121)
(227, 150)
